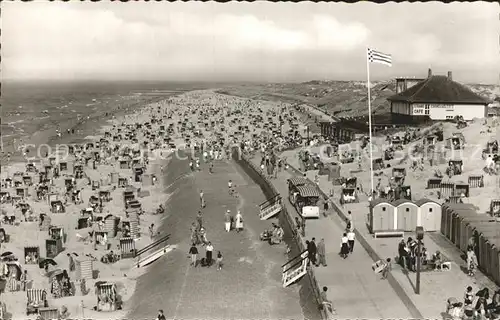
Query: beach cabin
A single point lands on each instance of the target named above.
(53, 247)
(4, 237)
(30, 167)
(42, 177)
(127, 247)
(111, 225)
(101, 238)
(31, 255)
(57, 207)
(5, 197)
(63, 166)
(378, 164)
(122, 182)
(56, 233)
(106, 296)
(429, 215)
(138, 171)
(114, 177)
(84, 268)
(407, 212)
(52, 197)
(105, 195)
(83, 222)
(22, 192)
(36, 299)
(124, 164)
(462, 188)
(382, 217)
(27, 180)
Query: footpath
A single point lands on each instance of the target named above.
(355, 290)
(436, 287)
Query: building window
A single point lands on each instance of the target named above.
(426, 109)
(407, 209)
(430, 209)
(383, 208)
(449, 117)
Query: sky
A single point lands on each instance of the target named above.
(256, 42)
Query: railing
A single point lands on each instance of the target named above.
(266, 204)
(151, 246)
(299, 256)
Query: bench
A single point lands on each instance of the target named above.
(388, 233)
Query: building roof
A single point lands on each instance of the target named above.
(402, 201)
(307, 191)
(423, 201)
(439, 89)
(376, 202)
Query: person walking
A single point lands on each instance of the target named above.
(218, 261)
(471, 262)
(351, 236)
(24, 280)
(152, 231)
(312, 251)
(202, 199)
(387, 268)
(239, 222)
(209, 248)
(327, 304)
(344, 246)
(227, 220)
(321, 253)
(193, 251)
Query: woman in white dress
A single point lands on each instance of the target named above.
(239, 221)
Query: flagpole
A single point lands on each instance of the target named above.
(369, 121)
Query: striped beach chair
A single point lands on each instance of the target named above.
(37, 298)
(106, 296)
(127, 247)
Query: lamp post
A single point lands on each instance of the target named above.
(420, 235)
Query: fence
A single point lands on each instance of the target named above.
(270, 191)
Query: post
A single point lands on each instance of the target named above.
(419, 231)
(417, 286)
(370, 122)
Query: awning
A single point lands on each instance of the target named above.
(298, 181)
(308, 191)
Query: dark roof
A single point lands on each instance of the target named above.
(423, 201)
(402, 201)
(299, 181)
(308, 191)
(376, 202)
(439, 89)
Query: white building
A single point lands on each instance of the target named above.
(440, 98)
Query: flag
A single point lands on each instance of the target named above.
(379, 57)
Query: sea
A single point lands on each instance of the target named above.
(32, 111)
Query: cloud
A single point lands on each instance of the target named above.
(201, 41)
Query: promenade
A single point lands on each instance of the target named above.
(436, 287)
(353, 287)
(249, 285)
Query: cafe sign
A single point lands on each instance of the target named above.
(422, 109)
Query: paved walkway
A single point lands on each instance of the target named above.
(248, 287)
(436, 287)
(353, 287)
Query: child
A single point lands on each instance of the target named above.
(218, 261)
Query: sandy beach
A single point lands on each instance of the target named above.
(100, 170)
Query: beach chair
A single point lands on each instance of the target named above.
(37, 298)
